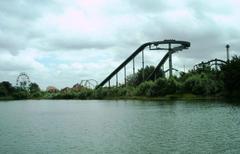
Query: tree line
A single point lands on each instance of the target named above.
(202, 81)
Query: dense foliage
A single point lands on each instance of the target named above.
(7, 91)
(231, 77)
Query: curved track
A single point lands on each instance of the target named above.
(216, 62)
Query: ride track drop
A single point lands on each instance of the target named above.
(157, 45)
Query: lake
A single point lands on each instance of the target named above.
(100, 126)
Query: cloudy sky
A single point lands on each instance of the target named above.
(61, 42)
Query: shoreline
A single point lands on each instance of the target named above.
(175, 97)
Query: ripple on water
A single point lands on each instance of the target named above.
(119, 127)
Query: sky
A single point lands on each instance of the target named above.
(59, 43)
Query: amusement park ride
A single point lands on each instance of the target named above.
(171, 46)
(23, 81)
(90, 83)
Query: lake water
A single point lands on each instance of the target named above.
(74, 126)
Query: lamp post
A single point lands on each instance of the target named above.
(227, 49)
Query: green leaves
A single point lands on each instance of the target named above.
(231, 77)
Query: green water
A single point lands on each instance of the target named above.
(119, 127)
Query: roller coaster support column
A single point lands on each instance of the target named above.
(143, 65)
(117, 80)
(109, 84)
(216, 67)
(163, 70)
(170, 59)
(125, 76)
(133, 66)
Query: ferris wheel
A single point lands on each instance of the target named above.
(23, 81)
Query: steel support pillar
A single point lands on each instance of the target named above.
(143, 65)
(117, 80)
(125, 75)
(170, 59)
(216, 64)
(133, 66)
(163, 70)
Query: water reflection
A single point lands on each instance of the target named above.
(119, 127)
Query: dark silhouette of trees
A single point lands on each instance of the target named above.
(6, 88)
(34, 87)
(231, 77)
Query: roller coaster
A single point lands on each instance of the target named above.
(89, 83)
(216, 63)
(172, 46)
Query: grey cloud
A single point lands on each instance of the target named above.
(206, 43)
(63, 43)
(79, 44)
(17, 23)
(11, 43)
(202, 9)
(149, 6)
(24, 9)
(14, 67)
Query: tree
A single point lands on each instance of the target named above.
(20, 93)
(6, 88)
(231, 76)
(34, 88)
(136, 79)
(203, 84)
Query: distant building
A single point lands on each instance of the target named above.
(77, 87)
(52, 89)
(66, 89)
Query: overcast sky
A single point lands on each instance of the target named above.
(61, 42)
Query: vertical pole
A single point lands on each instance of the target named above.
(133, 66)
(227, 47)
(216, 64)
(125, 76)
(170, 59)
(117, 80)
(109, 83)
(143, 65)
(163, 70)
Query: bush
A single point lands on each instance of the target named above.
(202, 84)
(36, 95)
(100, 93)
(143, 88)
(85, 94)
(21, 94)
(162, 87)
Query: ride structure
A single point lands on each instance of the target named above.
(215, 63)
(23, 81)
(89, 83)
(171, 46)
